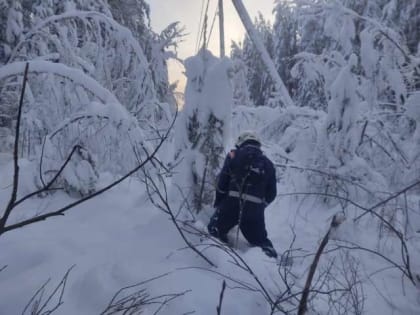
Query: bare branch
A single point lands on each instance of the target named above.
(12, 200)
(305, 294)
(61, 211)
(52, 181)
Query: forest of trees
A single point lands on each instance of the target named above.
(352, 69)
(357, 62)
(98, 100)
(84, 54)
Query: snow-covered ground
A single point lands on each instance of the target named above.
(120, 239)
(351, 141)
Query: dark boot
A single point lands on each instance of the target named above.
(212, 226)
(269, 251)
(223, 238)
(213, 231)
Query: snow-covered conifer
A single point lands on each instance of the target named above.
(203, 128)
(260, 84)
(241, 93)
(285, 34)
(344, 110)
(11, 27)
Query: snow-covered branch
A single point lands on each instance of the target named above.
(78, 77)
(123, 32)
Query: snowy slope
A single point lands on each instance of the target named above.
(119, 239)
(114, 241)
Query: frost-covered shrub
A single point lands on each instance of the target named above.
(79, 177)
(107, 132)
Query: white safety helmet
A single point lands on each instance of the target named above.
(246, 136)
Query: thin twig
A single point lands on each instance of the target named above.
(219, 307)
(388, 199)
(114, 298)
(36, 299)
(62, 210)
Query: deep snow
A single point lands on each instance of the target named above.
(120, 239)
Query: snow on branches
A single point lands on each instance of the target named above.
(204, 126)
(91, 84)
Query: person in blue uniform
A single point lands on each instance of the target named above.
(246, 185)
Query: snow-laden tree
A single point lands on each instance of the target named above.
(81, 56)
(340, 136)
(11, 30)
(203, 128)
(95, 43)
(345, 27)
(326, 40)
(389, 76)
(309, 72)
(260, 83)
(162, 47)
(403, 16)
(353, 48)
(90, 39)
(135, 15)
(241, 95)
(310, 26)
(343, 112)
(11, 27)
(285, 33)
(107, 137)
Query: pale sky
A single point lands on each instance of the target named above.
(187, 12)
